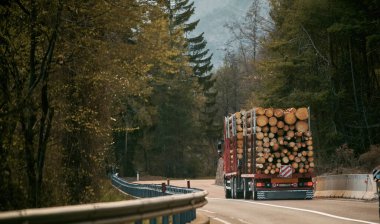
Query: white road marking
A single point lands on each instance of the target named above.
(221, 220)
(243, 221)
(204, 210)
(302, 210)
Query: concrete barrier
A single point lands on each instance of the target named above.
(355, 186)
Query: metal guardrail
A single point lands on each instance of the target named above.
(149, 190)
(159, 209)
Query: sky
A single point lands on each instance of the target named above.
(213, 15)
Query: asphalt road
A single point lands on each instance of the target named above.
(232, 211)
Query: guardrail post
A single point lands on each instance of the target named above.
(378, 193)
(193, 214)
(177, 219)
(153, 221)
(165, 219)
(184, 217)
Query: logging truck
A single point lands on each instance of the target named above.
(268, 154)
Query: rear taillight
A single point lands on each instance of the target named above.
(309, 184)
(267, 185)
(260, 185)
(306, 184)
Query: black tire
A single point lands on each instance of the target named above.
(254, 195)
(237, 194)
(233, 188)
(246, 193)
(254, 192)
(227, 193)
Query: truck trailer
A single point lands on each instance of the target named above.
(268, 154)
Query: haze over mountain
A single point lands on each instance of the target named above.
(213, 15)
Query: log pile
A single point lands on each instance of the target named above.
(236, 140)
(275, 136)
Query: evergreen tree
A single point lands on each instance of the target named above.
(200, 61)
(321, 54)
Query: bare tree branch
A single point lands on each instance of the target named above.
(22, 7)
(315, 48)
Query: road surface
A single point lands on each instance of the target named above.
(228, 211)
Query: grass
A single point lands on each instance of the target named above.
(109, 193)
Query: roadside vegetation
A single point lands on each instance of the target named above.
(109, 193)
(321, 54)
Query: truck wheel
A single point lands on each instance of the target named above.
(254, 195)
(254, 192)
(227, 193)
(247, 194)
(233, 188)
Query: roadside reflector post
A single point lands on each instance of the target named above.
(188, 183)
(376, 178)
(168, 181)
(378, 193)
(163, 187)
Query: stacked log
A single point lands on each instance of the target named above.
(283, 138)
(236, 138)
(279, 137)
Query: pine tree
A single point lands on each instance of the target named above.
(200, 61)
(322, 54)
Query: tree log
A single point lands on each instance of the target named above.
(290, 118)
(273, 129)
(302, 126)
(260, 111)
(238, 115)
(302, 113)
(280, 124)
(272, 121)
(278, 113)
(291, 110)
(290, 134)
(269, 112)
(260, 135)
(285, 160)
(259, 149)
(262, 120)
(240, 143)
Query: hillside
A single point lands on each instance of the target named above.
(213, 17)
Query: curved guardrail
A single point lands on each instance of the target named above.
(149, 190)
(158, 209)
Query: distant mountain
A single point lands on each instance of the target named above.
(213, 15)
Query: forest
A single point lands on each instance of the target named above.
(87, 86)
(320, 54)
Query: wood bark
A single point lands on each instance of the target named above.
(282, 137)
